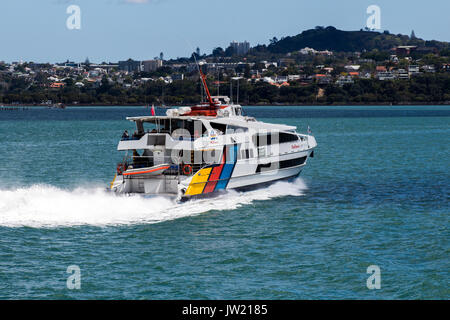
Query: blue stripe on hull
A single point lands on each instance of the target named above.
(228, 167)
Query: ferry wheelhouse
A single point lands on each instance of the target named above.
(208, 148)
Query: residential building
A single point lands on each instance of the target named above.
(404, 50)
(178, 76)
(402, 74)
(352, 67)
(413, 70)
(342, 80)
(429, 68)
(388, 75)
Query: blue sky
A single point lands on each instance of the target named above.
(113, 30)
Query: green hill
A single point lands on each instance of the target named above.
(330, 38)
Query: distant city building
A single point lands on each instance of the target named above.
(240, 48)
(152, 65)
(130, 65)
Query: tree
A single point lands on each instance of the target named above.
(229, 51)
(218, 52)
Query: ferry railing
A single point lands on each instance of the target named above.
(176, 168)
(175, 137)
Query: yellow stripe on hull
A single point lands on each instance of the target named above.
(198, 182)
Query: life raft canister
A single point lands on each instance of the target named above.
(120, 168)
(187, 169)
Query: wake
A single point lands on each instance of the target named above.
(43, 206)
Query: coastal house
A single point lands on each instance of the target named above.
(429, 68)
(402, 74)
(352, 67)
(365, 75)
(387, 75)
(178, 76)
(322, 78)
(404, 50)
(293, 77)
(307, 51)
(57, 85)
(342, 80)
(393, 58)
(413, 70)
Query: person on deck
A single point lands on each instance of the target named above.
(125, 135)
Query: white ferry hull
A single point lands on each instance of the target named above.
(206, 182)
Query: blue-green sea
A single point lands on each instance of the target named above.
(376, 193)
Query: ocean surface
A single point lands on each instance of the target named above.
(376, 193)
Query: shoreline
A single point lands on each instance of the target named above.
(445, 103)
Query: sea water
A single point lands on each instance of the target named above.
(376, 193)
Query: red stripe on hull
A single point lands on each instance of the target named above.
(210, 187)
(214, 176)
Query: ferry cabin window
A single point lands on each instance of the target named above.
(263, 140)
(245, 154)
(194, 127)
(235, 129)
(287, 137)
(238, 111)
(219, 126)
(269, 139)
(281, 164)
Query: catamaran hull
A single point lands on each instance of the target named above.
(167, 185)
(247, 183)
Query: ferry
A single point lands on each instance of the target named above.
(207, 148)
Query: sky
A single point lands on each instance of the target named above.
(113, 30)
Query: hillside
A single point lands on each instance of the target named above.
(330, 38)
